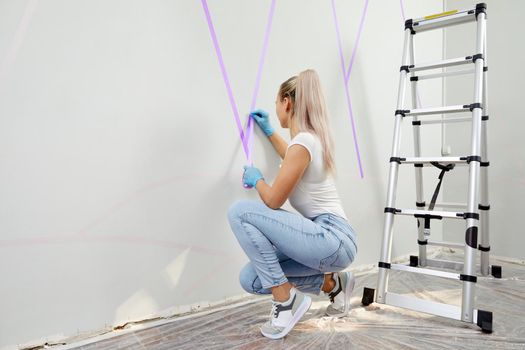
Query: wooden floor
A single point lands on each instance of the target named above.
(373, 327)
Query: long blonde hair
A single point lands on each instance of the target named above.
(308, 105)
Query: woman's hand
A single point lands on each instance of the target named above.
(261, 117)
(251, 176)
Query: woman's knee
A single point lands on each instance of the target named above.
(242, 206)
(248, 279)
(237, 209)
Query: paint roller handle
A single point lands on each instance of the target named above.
(251, 176)
(263, 120)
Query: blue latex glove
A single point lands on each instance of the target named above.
(261, 117)
(251, 176)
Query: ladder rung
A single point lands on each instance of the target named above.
(438, 110)
(427, 160)
(446, 120)
(446, 244)
(450, 265)
(445, 264)
(430, 272)
(451, 205)
(432, 213)
(443, 20)
(443, 74)
(421, 305)
(441, 64)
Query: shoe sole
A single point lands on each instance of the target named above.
(301, 310)
(348, 290)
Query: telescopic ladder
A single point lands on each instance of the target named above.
(478, 167)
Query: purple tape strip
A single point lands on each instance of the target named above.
(346, 74)
(245, 137)
(258, 78)
(224, 75)
(356, 44)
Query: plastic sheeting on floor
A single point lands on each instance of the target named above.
(377, 326)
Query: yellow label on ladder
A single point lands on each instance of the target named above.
(441, 14)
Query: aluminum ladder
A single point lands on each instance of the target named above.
(477, 201)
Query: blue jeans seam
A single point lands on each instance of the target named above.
(282, 280)
(263, 287)
(277, 221)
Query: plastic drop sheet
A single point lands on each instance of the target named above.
(376, 326)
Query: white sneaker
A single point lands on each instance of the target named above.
(340, 295)
(285, 315)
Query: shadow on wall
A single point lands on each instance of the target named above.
(176, 277)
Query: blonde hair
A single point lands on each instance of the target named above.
(308, 105)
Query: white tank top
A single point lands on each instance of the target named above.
(315, 193)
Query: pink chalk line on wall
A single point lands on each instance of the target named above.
(18, 38)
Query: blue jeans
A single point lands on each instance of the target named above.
(284, 246)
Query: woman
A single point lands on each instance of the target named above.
(291, 254)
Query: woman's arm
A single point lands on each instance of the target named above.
(279, 144)
(292, 169)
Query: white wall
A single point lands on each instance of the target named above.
(506, 126)
(119, 155)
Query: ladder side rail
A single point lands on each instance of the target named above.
(469, 279)
(420, 203)
(386, 247)
(484, 190)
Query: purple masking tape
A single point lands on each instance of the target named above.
(258, 78)
(246, 134)
(224, 74)
(346, 74)
(356, 44)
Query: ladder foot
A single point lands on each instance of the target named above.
(496, 271)
(414, 261)
(368, 296)
(485, 321)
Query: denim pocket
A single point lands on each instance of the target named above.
(338, 260)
